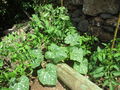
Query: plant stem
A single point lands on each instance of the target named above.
(61, 2)
(116, 31)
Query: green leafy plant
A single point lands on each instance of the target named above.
(23, 84)
(56, 53)
(48, 76)
(105, 65)
(51, 40)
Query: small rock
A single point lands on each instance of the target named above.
(83, 25)
(77, 13)
(101, 34)
(108, 28)
(77, 20)
(105, 36)
(97, 21)
(106, 16)
(74, 24)
(112, 21)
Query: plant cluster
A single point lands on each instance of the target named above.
(105, 66)
(53, 40)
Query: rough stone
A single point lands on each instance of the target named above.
(106, 16)
(94, 7)
(77, 2)
(83, 25)
(96, 21)
(108, 28)
(112, 21)
(77, 13)
(76, 20)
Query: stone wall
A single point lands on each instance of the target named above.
(94, 7)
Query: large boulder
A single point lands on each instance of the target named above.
(77, 2)
(94, 7)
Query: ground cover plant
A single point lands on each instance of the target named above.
(52, 39)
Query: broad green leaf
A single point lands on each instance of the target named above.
(116, 73)
(48, 76)
(76, 54)
(72, 39)
(98, 75)
(53, 47)
(116, 67)
(99, 72)
(115, 82)
(81, 67)
(100, 56)
(37, 57)
(63, 17)
(56, 53)
(99, 69)
(23, 84)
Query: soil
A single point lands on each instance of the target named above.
(37, 86)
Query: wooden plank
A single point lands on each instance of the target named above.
(73, 79)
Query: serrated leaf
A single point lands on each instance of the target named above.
(81, 67)
(37, 57)
(76, 54)
(48, 76)
(56, 53)
(23, 84)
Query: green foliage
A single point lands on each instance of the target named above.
(51, 24)
(17, 56)
(73, 39)
(37, 58)
(52, 40)
(81, 67)
(105, 64)
(48, 76)
(56, 53)
(23, 84)
(76, 54)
